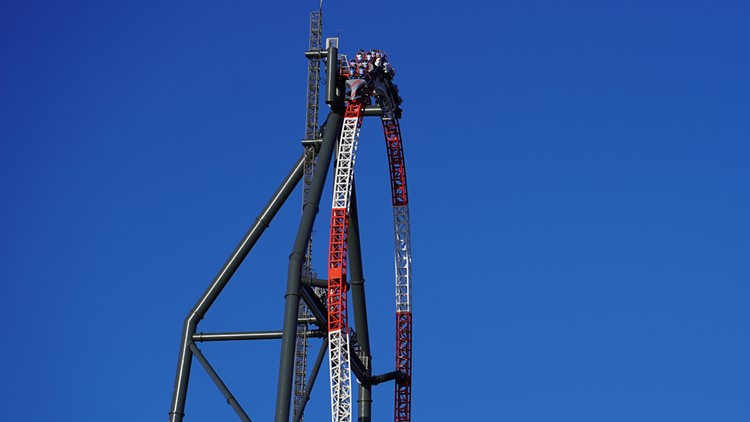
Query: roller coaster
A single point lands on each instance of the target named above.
(317, 308)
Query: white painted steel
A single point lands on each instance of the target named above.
(340, 371)
(345, 155)
(402, 255)
(340, 376)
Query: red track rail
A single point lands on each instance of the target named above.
(400, 200)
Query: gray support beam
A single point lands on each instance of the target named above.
(179, 394)
(332, 76)
(373, 110)
(219, 383)
(388, 376)
(296, 258)
(315, 54)
(315, 282)
(315, 306)
(357, 366)
(311, 381)
(256, 335)
(359, 305)
(307, 320)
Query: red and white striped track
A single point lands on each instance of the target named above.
(340, 373)
(338, 321)
(402, 238)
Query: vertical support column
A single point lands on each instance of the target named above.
(311, 134)
(296, 258)
(359, 305)
(311, 382)
(333, 96)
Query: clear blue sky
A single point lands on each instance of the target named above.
(579, 187)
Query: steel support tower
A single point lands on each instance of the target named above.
(316, 308)
(310, 141)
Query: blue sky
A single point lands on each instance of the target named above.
(579, 202)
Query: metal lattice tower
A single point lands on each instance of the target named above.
(309, 141)
(313, 75)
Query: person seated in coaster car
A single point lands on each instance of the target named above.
(361, 71)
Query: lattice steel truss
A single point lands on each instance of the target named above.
(310, 142)
(402, 255)
(338, 320)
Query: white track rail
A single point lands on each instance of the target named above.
(338, 321)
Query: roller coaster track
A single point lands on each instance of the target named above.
(339, 340)
(325, 303)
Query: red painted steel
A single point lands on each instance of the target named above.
(354, 109)
(403, 363)
(400, 197)
(337, 310)
(396, 162)
(337, 296)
